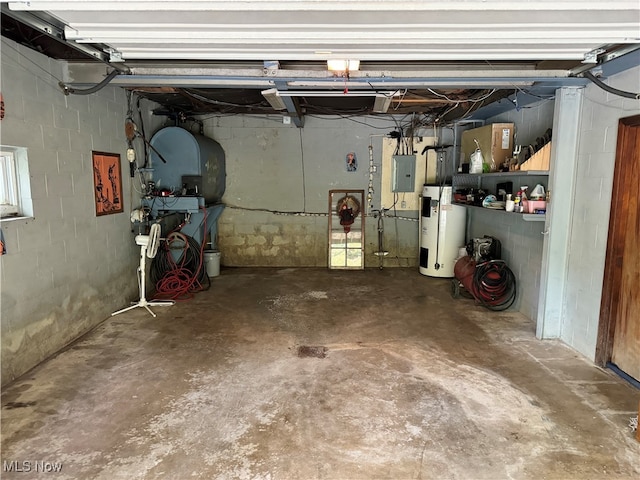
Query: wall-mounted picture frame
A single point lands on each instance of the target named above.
(352, 162)
(107, 183)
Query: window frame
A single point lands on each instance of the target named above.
(15, 183)
(9, 193)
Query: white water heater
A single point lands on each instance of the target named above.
(442, 231)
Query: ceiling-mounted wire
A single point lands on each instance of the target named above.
(458, 100)
(219, 102)
(399, 102)
(66, 89)
(610, 89)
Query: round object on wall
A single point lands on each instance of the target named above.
(347, 209)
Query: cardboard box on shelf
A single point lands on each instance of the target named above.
(495, 140)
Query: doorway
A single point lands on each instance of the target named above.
(619, 328)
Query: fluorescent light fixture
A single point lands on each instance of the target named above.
(273, 97)
(382, 103)
(335, 65)
(335, 93)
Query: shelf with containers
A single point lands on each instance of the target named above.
(494, 181)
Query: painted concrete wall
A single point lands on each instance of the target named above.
(273, 169)
(591, 208)
(521, 241)
(65, 270)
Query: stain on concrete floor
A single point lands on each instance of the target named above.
(413, 385)
(311, 351)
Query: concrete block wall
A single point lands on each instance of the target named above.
(530, 122)
(591, 208)
(521, 241)
(65, 269)
(258, 239)
(274, 168)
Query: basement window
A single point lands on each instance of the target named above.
(15, 185)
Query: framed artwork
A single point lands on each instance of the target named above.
(352, 162)
(107, 183)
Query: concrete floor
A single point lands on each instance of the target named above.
(413, 385)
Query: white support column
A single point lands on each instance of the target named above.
(560, 211)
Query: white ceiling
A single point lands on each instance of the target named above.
(375, 30)
(204, 56)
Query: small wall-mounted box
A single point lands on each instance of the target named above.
(403, 174)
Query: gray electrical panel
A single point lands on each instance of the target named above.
(403, 174)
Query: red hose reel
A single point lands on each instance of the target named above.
(490, 282)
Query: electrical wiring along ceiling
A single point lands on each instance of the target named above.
(192, 101)
(445, 60)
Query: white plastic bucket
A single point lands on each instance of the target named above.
(212, 262)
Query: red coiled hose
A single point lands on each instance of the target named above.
(494, 285)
